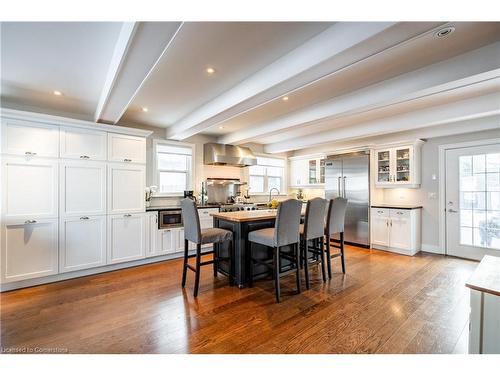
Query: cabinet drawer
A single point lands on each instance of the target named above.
(403, 214)
(380, 212)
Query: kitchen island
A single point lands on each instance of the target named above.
(241, 223)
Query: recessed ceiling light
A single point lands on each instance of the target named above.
(444, 32)
(221, 127)
(57, 93)
(210, 70)
(144, 109)
(285, 98)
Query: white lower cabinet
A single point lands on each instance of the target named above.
(396, 230)
(126, 237)
(82, 243)
(29, 250)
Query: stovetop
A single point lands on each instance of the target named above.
(238, 207)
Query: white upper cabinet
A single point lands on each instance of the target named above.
(30, 188)
(398, 166)
(126, 184)
(126, 237)
(84, 144)
(307, 172)
(30, 138)
(83, 188)
(126, 148)
(29, 250)
(82, 243)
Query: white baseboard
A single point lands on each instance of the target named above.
(432, 249)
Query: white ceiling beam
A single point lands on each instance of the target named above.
(470, 68)
(139, 48)
(311, 61)
(483, 106)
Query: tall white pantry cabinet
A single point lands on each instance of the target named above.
(72, 196)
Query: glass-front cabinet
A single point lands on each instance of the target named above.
(398, 166)
(307, 172)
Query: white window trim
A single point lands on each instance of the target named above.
(284, 183)
(156, 172)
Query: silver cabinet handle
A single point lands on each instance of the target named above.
(30, 222)
(399, 213)
(127, 160)
(343, 188)
(380, 212)
(452, 211)
(84, 157)
(84, 218)
(340, 191)
(391, 223)
(127, 215)
(30, 153)
(387, 222)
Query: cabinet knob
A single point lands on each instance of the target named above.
(30, 222)
(127, 160)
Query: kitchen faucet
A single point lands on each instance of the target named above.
(271, 190)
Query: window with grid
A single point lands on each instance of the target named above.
(174, 168)
(267, 174)
(480, 200)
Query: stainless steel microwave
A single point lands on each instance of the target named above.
(169, 219)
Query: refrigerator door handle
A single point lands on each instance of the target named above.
(343, 189)
(339, 191)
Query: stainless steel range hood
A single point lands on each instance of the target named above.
(220, 154)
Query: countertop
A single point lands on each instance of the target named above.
(486, 277)
(179, 207)
(245, 216)
(397, 206)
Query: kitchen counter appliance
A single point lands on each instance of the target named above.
(170, 218)
(347, 176)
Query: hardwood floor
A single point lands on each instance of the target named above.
(386, 303)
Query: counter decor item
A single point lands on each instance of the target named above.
(149, 192)
(300, 194)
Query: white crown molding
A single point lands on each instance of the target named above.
(6, 113)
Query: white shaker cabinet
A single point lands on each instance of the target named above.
(126, 148)
(126, 184)
(29, 249)
(83, 144)
(82, 243)
(126, 237)
(82, 188)
(29, 138)
(396, 229)
(29, 188)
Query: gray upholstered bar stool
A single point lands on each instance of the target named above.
(335, 224)
(284, 233)
(194, 233)
(313, 231)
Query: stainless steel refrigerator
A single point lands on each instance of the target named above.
(347, 176)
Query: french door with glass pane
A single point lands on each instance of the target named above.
(473, 201)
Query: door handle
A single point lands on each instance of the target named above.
(452, 211)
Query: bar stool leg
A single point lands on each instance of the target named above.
(297, 264)
(342, 251)
(328, 257)
(184, 267)
(322, 260)
(198, 270)
(277, 273)
(306, 265)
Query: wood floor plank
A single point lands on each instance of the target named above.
(386, 303)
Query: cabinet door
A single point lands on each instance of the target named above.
(152, 234)
(83, 144)
(30, 188)
(126, 184)
(312, 171)
(380, 226)
(30, 138)
(126, 237)
(83, 188)
(29, 250)
(403, 165)
(400, 225)
(82, 243)
(126, 148)
(299, 172)
(179, 233)
(168, 241)
(384, 166)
